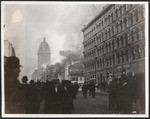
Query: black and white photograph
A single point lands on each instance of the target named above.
(74, 59)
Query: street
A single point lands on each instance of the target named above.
(97, 105)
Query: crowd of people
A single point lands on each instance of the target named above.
(26, 98)
(102, 86)
(89, 88)
(123, 92)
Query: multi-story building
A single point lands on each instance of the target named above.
(44, 54)
(9, 50)
(113, 40)
(44, 57)
(74, 72)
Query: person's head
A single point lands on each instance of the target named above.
(32, 82)
(123, 71)
(130, 74)
(24, 79)
(12, 66)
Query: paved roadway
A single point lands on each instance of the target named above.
(97, 105)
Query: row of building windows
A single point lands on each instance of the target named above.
(134, 34)
(77, 79)
(112, 45)
(129, 20)
(121, 57)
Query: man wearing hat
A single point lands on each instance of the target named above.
(12, 86)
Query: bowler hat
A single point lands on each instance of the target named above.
(13, 62)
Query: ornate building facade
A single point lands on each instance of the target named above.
(9, 50)
(113, 40)
(44, 54)
(44, 58)
(74, 72)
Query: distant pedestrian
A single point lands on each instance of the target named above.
(24, 88)
(32, 107)
(92, 89)
(84, 90)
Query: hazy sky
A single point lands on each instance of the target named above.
(27, 24)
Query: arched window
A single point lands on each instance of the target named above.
(136, 16)
(100, 38)
(132, 35)
(110, 60)
(125, 22)
(133, 53)
(109, 46)
(106, 61)
(122, 55)
(137, 33)
(112, 29)
(106, 46)
(116, 13)
(143, 31)
(127, 55)
(113, 59)
(117, 42)
(131, 19)
(142, 12)
(138, 52)
(102, 49)
(120, 10)
(102, 63)
(98, 64)
(126, 39)
(106, 34)
(99, 50)
(106, 21)
(143, 49)
(124, 9)
(113, 45)
(117, 27)
(111, 17)
(121, 25)
(121, 39)
(118, 57)
(109, 33)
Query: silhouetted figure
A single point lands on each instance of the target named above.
(100, 86)
(32, 107)
(84, 90)
(13, 93)
(24, 91)
(104, 85)
(66, 97)
(92, 89)
(52, 100)
(76, 88)
(113, 93)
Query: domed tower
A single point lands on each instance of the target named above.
(44, 54)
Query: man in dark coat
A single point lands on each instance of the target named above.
(64, 94)
(53, 98)
(24, 87)
(92, 87)
(84, 90)
(13, 94)
(113, 93)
